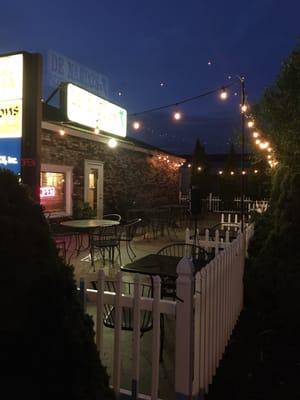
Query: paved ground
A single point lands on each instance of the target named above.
(142, 246)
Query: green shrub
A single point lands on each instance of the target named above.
(47, 342)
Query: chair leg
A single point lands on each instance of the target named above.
(132, 251)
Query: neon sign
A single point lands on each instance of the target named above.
(47, 191)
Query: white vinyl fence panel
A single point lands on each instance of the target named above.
(207, 308)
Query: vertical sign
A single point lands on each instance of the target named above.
(11, 107)
(20, 116)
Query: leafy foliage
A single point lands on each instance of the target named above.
(47, 342)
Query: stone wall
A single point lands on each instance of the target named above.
(131, 178)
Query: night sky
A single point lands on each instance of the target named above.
(160, 52)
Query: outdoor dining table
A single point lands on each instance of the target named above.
(86, 226)
(158, 264)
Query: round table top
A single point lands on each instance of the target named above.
(89, 223)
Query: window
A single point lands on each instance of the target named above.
(55, 190)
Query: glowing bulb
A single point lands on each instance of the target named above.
(62, 132)
(257, 141)
(220, 172)
(223, 94)
(112, 143)
(255, 134)
(244, 172)
(199, 168)
(244, 108)
(136, 125)
(250, 124)
(264, 145)
(189, 165)
(177, 115)
(256, 171)
(269, 149)
(231, 173)
(269, 156)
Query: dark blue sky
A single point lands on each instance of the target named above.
(139, 44)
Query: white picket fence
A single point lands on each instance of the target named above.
(259, 206)
(207, 242)
(206, 314)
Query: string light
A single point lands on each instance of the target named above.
(250, 124)
(177, 115)
(223, 94)
(231, 173)
(220, 172)
(199, 168)
(255, 134)
(62, 130)
(136, 125)
(256, 171)
(244, 108)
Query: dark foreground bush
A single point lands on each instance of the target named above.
(47, 342)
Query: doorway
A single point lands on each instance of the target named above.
(93, 186)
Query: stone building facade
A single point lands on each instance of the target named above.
(133, 174)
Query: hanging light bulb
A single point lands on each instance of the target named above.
(97, 128)
(177, 115)
(136, 125)
(244, 108)
(62, 130)
(257, 141)
(255, 134)
(250, 124)
(223, 94)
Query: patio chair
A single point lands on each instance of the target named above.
(128, 233)
(127, 313)
(199, 256)
(105, 240)
(146, 319)
(114, 217)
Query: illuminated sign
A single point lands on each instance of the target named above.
(47, 191)
(11, 104)
(87, 109)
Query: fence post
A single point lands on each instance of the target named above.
(210, 202)
(184, 330)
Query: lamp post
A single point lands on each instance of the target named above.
(243, 111)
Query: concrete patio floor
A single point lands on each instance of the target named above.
(142, 246)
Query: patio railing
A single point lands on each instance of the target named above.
(207, 308)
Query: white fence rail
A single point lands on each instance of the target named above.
(208, 242)
(206, 314)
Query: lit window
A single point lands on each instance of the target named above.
(55, 189)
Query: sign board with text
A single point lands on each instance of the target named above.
(11, 111)
(20, 116)
(85, 108)
(63, 69)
